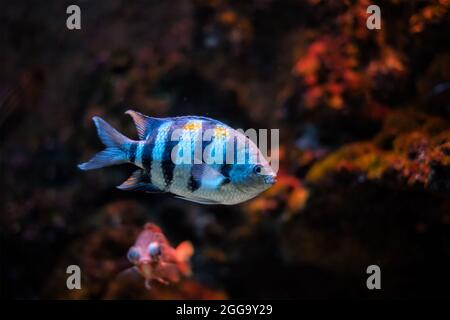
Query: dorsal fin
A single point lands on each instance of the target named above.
(152, 227)
(144, 124)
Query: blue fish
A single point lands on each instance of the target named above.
(198, 159)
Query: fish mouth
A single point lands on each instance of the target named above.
(146, 270)
(270, 179)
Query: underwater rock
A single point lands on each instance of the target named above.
(286, 198)
(129, 288)
(383, 202)
(412, 151)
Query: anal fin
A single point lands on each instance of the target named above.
(138, 181)
(207, 177)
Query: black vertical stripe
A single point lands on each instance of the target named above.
(195, 179)
(195, 182)
(147, 158)
(147, 152)
(132, 152)
(225, 169)
(168, 166)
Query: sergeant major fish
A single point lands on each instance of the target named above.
(155, 259)
(160, 171)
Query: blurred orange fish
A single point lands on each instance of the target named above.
(155, 259)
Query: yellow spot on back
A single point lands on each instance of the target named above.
(192, 126)
(220, 132)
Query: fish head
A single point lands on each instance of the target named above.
(146, 258)
(253, 178)
(252, 174)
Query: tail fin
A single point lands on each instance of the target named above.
(184, 252)
(115, 142)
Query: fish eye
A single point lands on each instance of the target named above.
(257, 169)
(133, 255)
(154, 249)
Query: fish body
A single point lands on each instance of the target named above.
(155, 259)
(195, 158)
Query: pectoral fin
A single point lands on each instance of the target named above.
(138, 181)
(207, 177)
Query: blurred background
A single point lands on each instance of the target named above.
(365, 145)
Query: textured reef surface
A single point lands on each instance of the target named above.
(364, 145)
